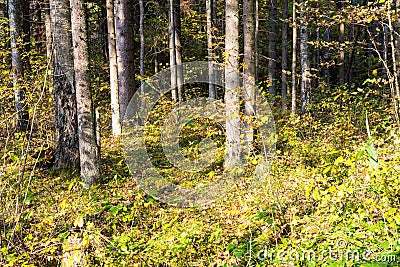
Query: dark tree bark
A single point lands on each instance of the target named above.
(272, 54)
(67, 153)
(124, 24)
(249, 70)
(325, 56)
(285, 26)
(141, 54)
(175, 50)
(342, 74)
(88, 148)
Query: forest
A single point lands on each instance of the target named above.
(199, 133)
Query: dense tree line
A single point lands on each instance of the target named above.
(291, 49)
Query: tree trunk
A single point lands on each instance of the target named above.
(212, 94)
(141, 56)
(325, 57)
(294, 57)
(232, 82)
(15, 24)
(67, 153)
(256, 27)
(36, 22)
(172, 51)
(88, 149)
(47, 21)
(396, 44)
(115, 113)
(394, 29)
(285, 15)
(341, 49)
(178, 48)
(124, 43)
(304, 61)
(272, 55)
(249, 70)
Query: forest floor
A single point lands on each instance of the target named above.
(331, 199)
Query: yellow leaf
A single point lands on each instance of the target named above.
(327, 169)
(78, 221)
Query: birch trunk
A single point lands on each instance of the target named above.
(212, 94)
(172, 51)
(178, 48)
(232, 82)
(16, 28)
(304, 60)
(294, 57)
(112, 55)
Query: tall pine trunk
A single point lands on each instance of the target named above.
(88, 149)
(67, 153)
(112, 55)
(232, 82)
(249, 70)
(16, 29)
(124, 42)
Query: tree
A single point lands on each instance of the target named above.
(272, 55)
(249, 68)
(342, 52)
(67, 153)
(175, 50)
(212, 93)
(141, 56)
(304, 61)
(285, 26)
(124, 43)
(88, 150)
(178, 48)
(115, 112)
(294, 57)
(172, 51)
(232, 82)
(15, 22)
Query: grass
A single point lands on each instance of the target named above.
(323, 194)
